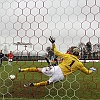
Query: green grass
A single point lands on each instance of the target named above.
(77, 86)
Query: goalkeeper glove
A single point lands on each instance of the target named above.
(52, 39)
(93, 69)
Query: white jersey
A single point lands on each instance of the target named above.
(54, 72)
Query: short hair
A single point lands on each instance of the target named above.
(74, 50)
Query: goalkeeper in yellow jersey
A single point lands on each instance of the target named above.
(57, 73)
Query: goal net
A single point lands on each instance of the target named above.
(26, 25)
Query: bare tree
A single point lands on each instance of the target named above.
(81, 46)
(89, 48)
(96, 49)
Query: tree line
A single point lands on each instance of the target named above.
(89, 51)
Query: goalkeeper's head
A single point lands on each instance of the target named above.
(75, 50)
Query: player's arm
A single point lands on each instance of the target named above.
(85, 70)
(3, 55)
(7, 55)
(12, 56)
(56, 52)
(47, 60)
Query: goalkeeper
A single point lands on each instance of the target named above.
(57, 73)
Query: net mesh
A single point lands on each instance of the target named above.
(72, 23)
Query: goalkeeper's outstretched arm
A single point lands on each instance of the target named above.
(56, 52)
(87, 71)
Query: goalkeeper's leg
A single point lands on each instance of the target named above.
(43, 83)
(33, 69)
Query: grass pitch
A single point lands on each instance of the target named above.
(76, 86)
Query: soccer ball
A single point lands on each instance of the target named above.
(12, 77)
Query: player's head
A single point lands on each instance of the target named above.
(75, 50)
(49, 51)
(0, 51)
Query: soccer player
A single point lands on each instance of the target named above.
(10, 57)
(51, 56)
(1, 57)
(57, 73)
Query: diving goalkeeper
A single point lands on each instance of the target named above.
(57, 73)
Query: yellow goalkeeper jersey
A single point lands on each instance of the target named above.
(70, 63)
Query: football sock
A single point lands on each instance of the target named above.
(29, 70)
(41, 83)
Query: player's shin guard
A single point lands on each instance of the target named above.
(44, 83)
(29, 70)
